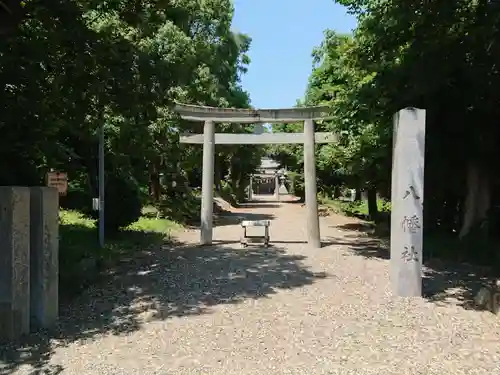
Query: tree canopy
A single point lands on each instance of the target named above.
(439, 56)
(69, 67)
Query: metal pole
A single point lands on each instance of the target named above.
(207, 187)
(101, 184)
(313, 235)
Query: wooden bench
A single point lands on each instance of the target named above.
(245, 239)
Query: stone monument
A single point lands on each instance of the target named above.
(14, 262)
(44, 257)
(407, 202)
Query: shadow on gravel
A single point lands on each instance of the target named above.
(447, 282)
(259, 205)
(444, 281)
(156, 285)
(364, 227)
(324, 243)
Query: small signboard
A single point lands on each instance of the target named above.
(59, 180)
(95, 204)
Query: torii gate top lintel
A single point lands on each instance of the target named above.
(242, 115)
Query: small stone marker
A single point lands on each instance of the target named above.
(407, 202)
(488, 297)
(14, 262)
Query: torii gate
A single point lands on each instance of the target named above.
(211, 115)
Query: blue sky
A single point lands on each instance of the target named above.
(283, 34)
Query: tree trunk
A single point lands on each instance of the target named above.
(154, 176)
(337, 192)
(217, 175)
(372, 203)
(478, 200)
(484, 203)
(357, 195)
(11, 14)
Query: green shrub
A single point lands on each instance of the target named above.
(183, 207)
(355, 208)
(296, 187)
(227, 192)
(384, 206)
(79, 252)
(122, 203)
(77, 198)
(82, 262)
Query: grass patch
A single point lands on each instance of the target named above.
(357, 209)
(82, 261)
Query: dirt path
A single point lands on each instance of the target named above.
(283, 310)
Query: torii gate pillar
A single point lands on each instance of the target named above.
(311, 192)
(207, 188)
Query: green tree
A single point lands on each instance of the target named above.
(435, 56)
(72, 66)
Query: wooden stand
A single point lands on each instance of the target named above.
(246, 240)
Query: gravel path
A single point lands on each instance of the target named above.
(283, 310)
